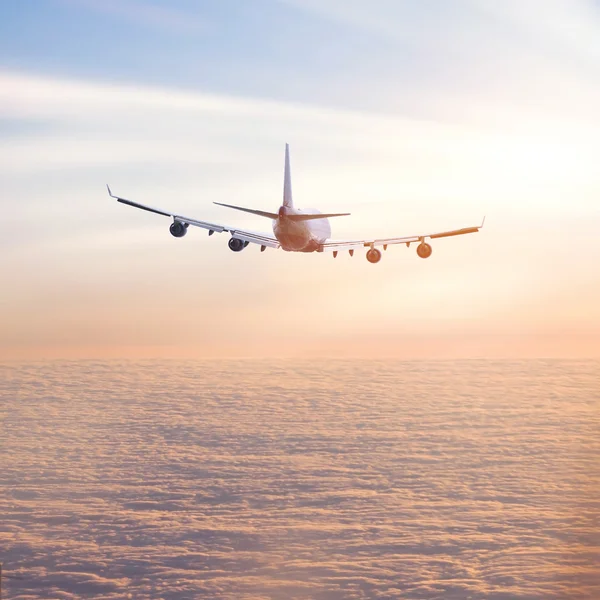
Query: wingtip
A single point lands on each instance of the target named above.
(109, 192)
(482, 222)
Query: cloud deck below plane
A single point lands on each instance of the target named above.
(274, 480)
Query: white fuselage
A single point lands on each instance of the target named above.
(300, 236)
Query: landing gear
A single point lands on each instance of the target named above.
(373, 255)
(424, 250)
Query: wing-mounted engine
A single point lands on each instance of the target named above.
(424, 250)
(178, 229)
(236, 245)
(373, 255)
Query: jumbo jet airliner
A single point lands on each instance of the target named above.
(296, 230)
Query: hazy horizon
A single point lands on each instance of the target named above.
(403, 348)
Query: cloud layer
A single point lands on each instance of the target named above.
(345, 479)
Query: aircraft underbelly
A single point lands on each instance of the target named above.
(296, 236)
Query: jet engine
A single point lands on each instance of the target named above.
(424, 250)
(374, 255)
(236, 245)
(178, 229)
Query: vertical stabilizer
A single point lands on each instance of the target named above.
(287, 180)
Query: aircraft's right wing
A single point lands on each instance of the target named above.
(181, 223)
(336, 245)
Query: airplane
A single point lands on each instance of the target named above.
(296, 230)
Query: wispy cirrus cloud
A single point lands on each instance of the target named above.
(558, 27)
(573, 23)
(478, 59)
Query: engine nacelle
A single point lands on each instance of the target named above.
(374, 255)
(236, 245)
(424, 250)
(178, 229)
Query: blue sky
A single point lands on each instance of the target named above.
(422, 58)
(352, 53)
(413, 116)
(228, 46)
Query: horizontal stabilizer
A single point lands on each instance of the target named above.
(292, 217)
(260, 213)
(317, 216)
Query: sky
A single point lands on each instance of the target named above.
(414, 117)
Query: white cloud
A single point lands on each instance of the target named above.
(479, 60)
(572, 24)
(562, 28)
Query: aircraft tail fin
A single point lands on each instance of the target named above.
(287, 180)
(287, 201)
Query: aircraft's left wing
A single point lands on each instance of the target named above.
(336, 245)
(181, 223)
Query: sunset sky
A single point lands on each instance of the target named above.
(413, 116)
